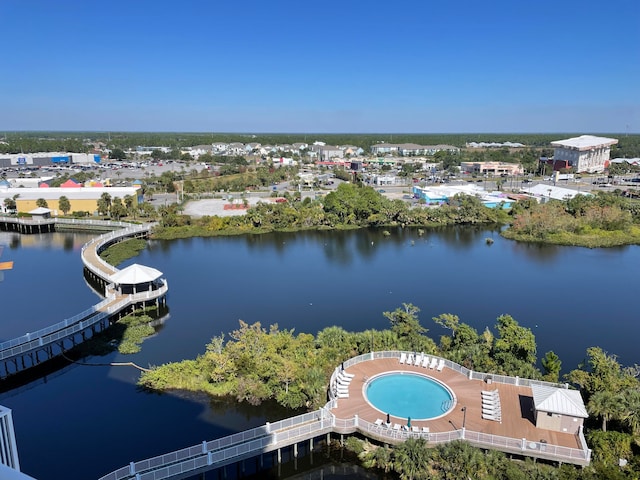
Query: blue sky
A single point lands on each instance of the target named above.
(331, 66)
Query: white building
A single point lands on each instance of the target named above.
(585, 153)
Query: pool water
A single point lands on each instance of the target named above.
(407, 395)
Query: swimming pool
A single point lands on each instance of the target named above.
(405, 395)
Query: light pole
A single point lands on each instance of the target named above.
(464, 417)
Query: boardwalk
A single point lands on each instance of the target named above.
(32, 349)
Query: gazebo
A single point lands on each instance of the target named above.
(136, 278)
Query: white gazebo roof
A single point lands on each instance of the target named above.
(558, 400)
(40, 211)
(135, 274)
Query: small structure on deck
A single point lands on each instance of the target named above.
(137, 278)
(40, 212)
(558, 409)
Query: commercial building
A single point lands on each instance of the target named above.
(585, 153)
(45, 159)
(83, 199)
(492, 168)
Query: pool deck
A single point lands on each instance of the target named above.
(516, 405)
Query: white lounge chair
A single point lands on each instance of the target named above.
(397, 426)
(379, 422)
(494, 417)
(418, 360)
(415, 429)
(433, 363)
(490, 411)
(342, 395)
(440, 365)
(344, 373)
(490, 398)
(410, 359)
(489, 393)
(403, 357)
(425, 362)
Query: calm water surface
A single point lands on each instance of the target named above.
(83, 422)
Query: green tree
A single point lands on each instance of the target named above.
(515, 341)
(405, 324)
(607, 405)
(117, 154)
(630, 414)
(41, 202)
(552, 365)
(104, 203)
(411, 459)
(64, 204)
(10, 204)
(602, 372)
(118, 210)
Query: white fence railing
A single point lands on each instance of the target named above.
(291, 430)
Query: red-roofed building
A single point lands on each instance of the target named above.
(70, 184)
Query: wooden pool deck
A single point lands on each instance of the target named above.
(516, 405)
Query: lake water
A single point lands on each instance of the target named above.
(82, 422)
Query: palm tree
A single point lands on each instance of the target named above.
(379, 457)
(631, 410)
(411, 459)
(64, 204)
(607, 405)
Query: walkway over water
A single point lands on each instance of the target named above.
(339, 416)
(34, 348)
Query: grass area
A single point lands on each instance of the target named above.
(119, 252)
(126, 335)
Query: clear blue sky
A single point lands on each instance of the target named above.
(330, 66)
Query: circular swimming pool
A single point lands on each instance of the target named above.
(407, 395)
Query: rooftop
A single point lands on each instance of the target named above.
(585, 142)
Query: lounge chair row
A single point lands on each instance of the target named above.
(341, 385)
(491, 408)
(422, 360)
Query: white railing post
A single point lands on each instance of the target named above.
(204, 446)
(517, 381)
(524, 444)
(132, 468)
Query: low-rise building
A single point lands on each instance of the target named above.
(558, 409)
(492, 168)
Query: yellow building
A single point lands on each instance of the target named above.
(82, 199)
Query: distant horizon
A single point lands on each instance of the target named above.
(247, 133)
(347, 67)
